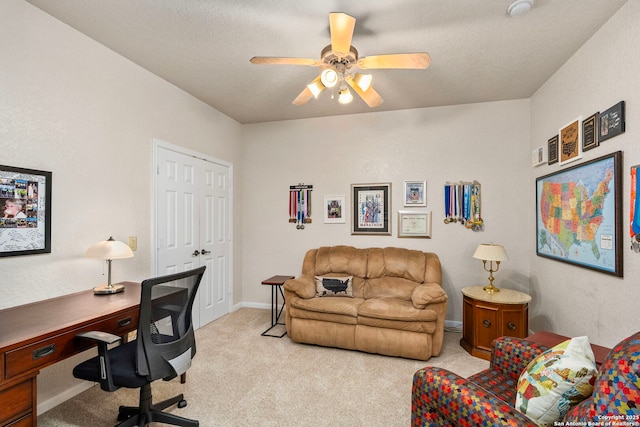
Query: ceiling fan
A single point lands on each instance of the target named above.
(339, 62)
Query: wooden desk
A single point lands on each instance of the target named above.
(39, 334)
(549, 339)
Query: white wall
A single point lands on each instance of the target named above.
(567, 299)
(486, 142)
(73, 107)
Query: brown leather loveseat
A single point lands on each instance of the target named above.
(378, 300)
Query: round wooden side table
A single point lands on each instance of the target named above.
(487, 316)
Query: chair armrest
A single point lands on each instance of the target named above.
(104, 339)
(441, 398)
(303, 286)
(100, 337)
(428, 293)
(511, 355)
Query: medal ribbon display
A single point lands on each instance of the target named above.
(462, 204)
(300, 205)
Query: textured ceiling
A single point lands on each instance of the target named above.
(479, 53)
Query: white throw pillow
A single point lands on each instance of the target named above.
(556, 380)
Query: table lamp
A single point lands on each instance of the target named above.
(109, 250)
(492, 253)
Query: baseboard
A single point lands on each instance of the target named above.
(453, 326)
(64, 396)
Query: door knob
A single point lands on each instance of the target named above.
(204, 252)
(195, 253)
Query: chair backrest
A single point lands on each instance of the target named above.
(166, 341)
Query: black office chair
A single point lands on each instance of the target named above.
(163, 349)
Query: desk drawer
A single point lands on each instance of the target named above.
(46, 352)
(17, 400)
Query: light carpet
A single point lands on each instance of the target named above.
(240, 378)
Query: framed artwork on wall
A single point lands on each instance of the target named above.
(414, 224)
(415, 193)
(590, 132)
(570, 139)
(25, 216)
(578, 215)
(334, 210)
(611, 122)
(371, 208)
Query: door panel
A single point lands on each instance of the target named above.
(192, 217)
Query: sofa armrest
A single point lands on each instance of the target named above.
(441, 398)
(303, 286)
(511, 355)
(428, 293)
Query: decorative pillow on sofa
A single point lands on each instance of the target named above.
(334, 286)
(556, 380)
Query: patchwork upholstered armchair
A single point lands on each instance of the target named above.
(488, 398)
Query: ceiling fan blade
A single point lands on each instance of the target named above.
(303, 98)
(284, 61)
(313, 89)
(396, 60)
(341, 27)
(370, 96)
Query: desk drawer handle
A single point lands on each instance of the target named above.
(44, 351)
(124, 322)
(486, 323)
(511, 326)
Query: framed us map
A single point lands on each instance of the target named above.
(579, 216)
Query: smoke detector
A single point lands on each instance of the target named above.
(519, 7)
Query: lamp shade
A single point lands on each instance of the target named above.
(490, 252)
(109, 249)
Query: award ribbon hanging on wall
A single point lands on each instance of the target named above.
(300, 205)
(634, 210)
(462, 204)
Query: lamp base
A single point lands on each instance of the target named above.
(491, 289)
(108, 289)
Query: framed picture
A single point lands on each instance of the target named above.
(414, 224)
(25, 211)
(334, 210)
(611, 122)
(590, 132)
(553, 150)
(371, 207)
(415, 193)
(579, 215)
(570, 142)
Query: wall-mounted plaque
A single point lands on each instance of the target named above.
(611, 122)
(553, 150)
(590, 132)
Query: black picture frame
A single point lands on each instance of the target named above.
(552, 150)
(25, 211)
(564, 235)
(371, 209)
(590, 132)
(611, 122)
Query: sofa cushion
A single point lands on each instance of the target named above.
(341, 306)
(395, 309)
(389, 287)
(334, 286)
(397, 262)
(345, 260)
(556, 380)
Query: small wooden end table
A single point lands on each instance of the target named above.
(276, 283)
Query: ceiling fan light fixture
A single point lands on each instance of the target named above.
(344, 96)
(363, 81)
(316, 87)
(329, 77)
